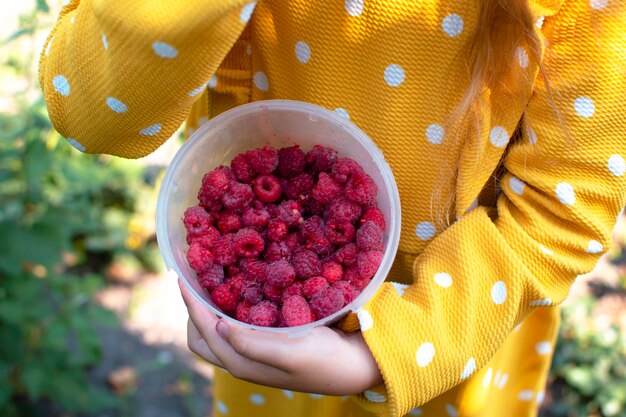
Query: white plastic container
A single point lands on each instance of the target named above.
(277, 123)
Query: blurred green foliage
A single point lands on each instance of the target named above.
(63, 217)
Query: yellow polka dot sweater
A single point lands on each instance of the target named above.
(467, 326)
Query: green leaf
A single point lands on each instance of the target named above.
(34, 380)
(42, 6)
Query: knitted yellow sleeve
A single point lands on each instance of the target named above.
(119, 77)
(563, 188)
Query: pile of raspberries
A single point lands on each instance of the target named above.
(284, 238)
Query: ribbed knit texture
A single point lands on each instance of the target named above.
(120, 77)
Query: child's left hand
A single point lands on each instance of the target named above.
(328, 361)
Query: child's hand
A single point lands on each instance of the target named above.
(328, 361)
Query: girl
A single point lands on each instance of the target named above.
(503, 124)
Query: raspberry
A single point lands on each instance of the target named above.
(347, 254)
(223, 250)
(313, 207)
(280, 273)
(345, 168)
(254, 270)
(327, 302)
(205, 240)
(212, 278)
(212, 206)
(263, 160)
(291, 161)
(361, 189)
(223, 298)
(369, 237)
(356, 281)
(313, 226)
(277, 251)
(332, 271)
(197, 221)
(320, 245)
(373, 214)
(306, 264)
(296, 312)
(340, 232)
(267, 188)
(292, 242)
(215, 183)
(313, 286)
(256, 218)
(200, 258)
(368, 263)
(277, 230)
(263, 314)
(228, 221)
(252, 291)
(236, 285)
(320, 158)
(326, 188)
(300, 186)
(272, 292)
(294, 289)
(242, 312)
(343, 210)
(233, 270)
(248, 243)
(289, 212)
(238, 196)
(348, 291)
(242, 171)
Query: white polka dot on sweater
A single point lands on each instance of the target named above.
(444, 280)
(257, 399)
(365, 320)
(196, 91)
(539, 22)
(105, 42)
(116, 105)
(526, 395)
(543, 302)
(374, 397)
(565, 193)
(164, 50)
(503, 380)
(487, 378)
(288, 394)
(540, 396)
(342, 112)
(61, 85)
(260, 81)
(246, 12)
(49, 45)
(415, 412)
(400, 288)
(584, 107)
(517, 185)
(221, 407)
(452, 25)
(315, 396)
(522, 56)
(543, 348)
(76, 144)
(151, 130)
(303, 52)
(425, 230)
(617, 166)
(394, 75)
(435, 133)
(354, 7)
(212, 81)
(425, 354)
(598, 4)
(469, 368)
(451, 410)
(594, 247)
(498, 136)
(498, 292)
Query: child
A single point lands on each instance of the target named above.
(504, 117)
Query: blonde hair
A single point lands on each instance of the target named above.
(502, 26)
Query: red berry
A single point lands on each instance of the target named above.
(228, 221)
(277, 230)
(272, 292)
(348, 291)
(320, 245)
(277, 251)
(205, 240)
(332, 271)
(200, 258)
(345, 168)
(313, 207)
(313, 286)
(343, 210)
(248, 243)
(212, 277)
(291, 161)
(263, 160)
(197, 221)
(236, 285)
(223, 298)
(361, 189)
(233, 270)
(347, 254)
(300, 186)
(313, 226)
(223, 250)
(280, 273)
(373, 213)
(292, 242)
(256, 218)
(242, 312)
(254, 270)
(326, 189)
(296, 311)
(340, 232)
(368, 263)
(242, 171)
(306, 264)
(369, 237)
(289, 212)
(263, 314)
(327, 302)
(252, 291)
(267, 188)
(212, 206)
(320, 158)
(238, 196)
(215, 183)
(296, 288)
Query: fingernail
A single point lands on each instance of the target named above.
(222, 328)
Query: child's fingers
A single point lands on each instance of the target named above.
(199, 346)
